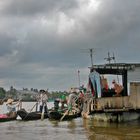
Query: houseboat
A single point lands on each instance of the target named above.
(107, 104)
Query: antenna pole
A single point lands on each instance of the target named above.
(79, 77)
(109, 58)
(91, 56)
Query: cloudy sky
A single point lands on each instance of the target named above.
(44, 43)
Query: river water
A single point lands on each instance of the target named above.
(77, 129)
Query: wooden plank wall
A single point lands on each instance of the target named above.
(112, 103)
(135, 94)
(132, 101)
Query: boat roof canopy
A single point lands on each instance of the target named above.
(116, 69)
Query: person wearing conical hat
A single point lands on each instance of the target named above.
(9, 101)
(11, 107)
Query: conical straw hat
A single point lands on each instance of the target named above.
(9, 101)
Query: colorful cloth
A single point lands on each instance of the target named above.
(63, 97)
(3, 116)
(96, 82)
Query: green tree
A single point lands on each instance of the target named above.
(2, 93)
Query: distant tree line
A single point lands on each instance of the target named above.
(28, 95)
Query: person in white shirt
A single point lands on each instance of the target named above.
(42, 101)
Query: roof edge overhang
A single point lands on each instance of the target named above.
(114, 68)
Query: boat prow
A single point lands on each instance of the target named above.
(5, 117)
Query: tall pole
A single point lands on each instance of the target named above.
(79, 78)
(91, 56)
(90, 51)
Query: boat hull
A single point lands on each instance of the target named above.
(125, 116)
(55, 115)
(5, 119)
(24, 115)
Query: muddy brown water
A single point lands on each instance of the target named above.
(77, 129)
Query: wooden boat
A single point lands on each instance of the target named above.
(62, 115)
(5, 117)
(121, 107)
(24, 115)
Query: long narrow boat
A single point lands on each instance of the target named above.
(26, 116)
(5, 118)
(62, 115)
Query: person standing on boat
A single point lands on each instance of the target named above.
(81, 97)
(72, 99)
(42, 101)
(11, 107)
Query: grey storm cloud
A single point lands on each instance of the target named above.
(46, 41)
(5, 44)
(35, 7)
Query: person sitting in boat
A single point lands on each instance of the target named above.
(117, 87)
(11, 107)
(42, 101)
(56, 104)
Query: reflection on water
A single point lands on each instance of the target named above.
(112, 131)
(77, 129)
